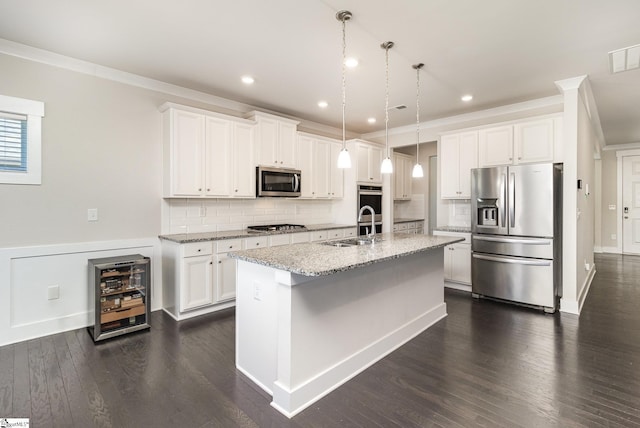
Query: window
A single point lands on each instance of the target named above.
(20, 140)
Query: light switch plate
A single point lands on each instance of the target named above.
(612, 207)
(92, 214)
(53, 292)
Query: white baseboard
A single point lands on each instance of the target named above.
(610, 250)
(291, 402)
(26, 273)
(457, 286)
(572, 306)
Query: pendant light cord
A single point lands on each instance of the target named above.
(386, 100)
(344, 86)
(418, 114)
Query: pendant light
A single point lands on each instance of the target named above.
(417, 168)
(344, 160)
(387, 166)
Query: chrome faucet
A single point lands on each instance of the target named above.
(373, 220)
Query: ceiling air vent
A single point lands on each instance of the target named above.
(624, 59)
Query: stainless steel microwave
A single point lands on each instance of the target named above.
(282, 182)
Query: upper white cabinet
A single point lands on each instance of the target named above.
(207, 154)
(458, 155)
(368, 159)
(523, 142)
(317, 159)
(276, 140)
(402, 180)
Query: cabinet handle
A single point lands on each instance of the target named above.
(236, 190)
(219, 262)
(208, 190)
(230, 246)
(200, 189)
(210, 263)
(199, 249)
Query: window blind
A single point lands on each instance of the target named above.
(13, 142)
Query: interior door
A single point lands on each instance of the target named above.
(631, 205)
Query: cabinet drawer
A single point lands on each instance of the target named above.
(402, 226)
(335, 233)
(123, 313)
(260, 242)
(348, 233)
(277, 240)
(228, 245)
(197, 249)
(297, 238)
(318, 235)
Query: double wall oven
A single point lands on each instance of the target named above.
(372, 196)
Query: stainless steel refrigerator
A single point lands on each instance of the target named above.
(516, 237)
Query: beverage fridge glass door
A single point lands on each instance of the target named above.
(489, 200)
(531, 200)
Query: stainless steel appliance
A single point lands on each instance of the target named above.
(369, 196)
(277, 227)
(516, 225)
(283, 182)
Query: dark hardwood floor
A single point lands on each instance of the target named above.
(486, 364)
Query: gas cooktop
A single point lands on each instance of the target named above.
(277, 227)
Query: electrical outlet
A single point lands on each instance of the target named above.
(612, 207)
(257, 291)
(614, 236)
(53, 292)
(92, 214)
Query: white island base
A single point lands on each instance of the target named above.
(300, 337)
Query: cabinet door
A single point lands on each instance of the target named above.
(336, 175)
(187, 149)
(267, 142)
(362, 155)
(321, 169)
(287, 147)
(449, 166)
(244, 171)
(461, 263)
(306, 166)
(468, 159)
(196, 286)
(495, 146)
(533, 141)
(217, 157)
(398, 177)
(448, 262)
(225, 278)
(375, 160)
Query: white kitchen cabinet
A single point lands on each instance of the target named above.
(402, 179)
(523, 142)
(409, 227)
(278, 240)
(225, 278)
(533, 141)
(276, 140)
(297, 238)
(207, 154)
(368, 160)
(457, 261)
(336, 175)
(320, 177)
(197, 276)
(458, 155)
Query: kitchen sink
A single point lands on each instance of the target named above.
(352, 242)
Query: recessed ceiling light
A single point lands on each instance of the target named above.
(247, 80)
(467, 98)
(351, 62)
(323, 104)
(371, 120)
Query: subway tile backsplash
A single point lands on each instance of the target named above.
(216, 215)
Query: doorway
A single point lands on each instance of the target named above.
(631, 205)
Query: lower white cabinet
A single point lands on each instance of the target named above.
(457, 261)
(225, 278)
(197, 275)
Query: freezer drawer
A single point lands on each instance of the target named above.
(517, 246)
(518, 279)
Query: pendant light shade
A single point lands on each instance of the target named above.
(417, 168)
(344, 160)
(387, 166)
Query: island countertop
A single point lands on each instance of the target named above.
(319, 259)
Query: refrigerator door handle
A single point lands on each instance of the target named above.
(514, 240)
(513, 261)
(512, 199)
(504, 198)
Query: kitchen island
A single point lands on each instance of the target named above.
(311, 316)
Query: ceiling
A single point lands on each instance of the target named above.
(501, 51)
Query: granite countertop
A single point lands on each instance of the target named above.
(406, 219)
(317, 259)
(183, 238)
(459, 229)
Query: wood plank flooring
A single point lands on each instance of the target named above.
(487, 364)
